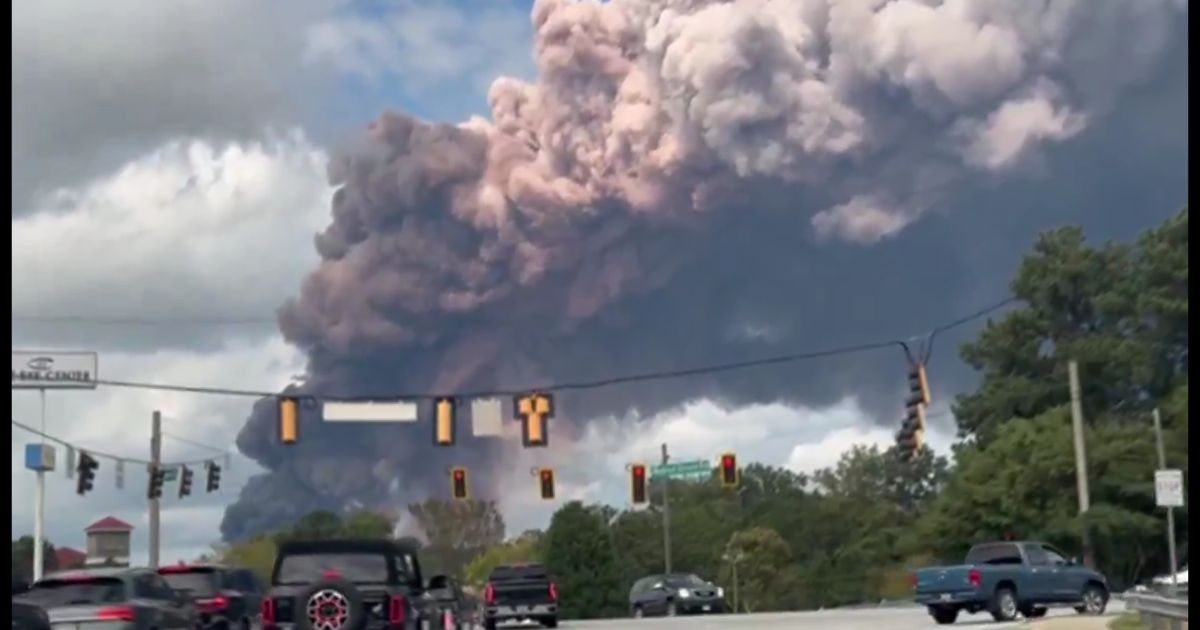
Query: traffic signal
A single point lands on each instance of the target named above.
(534, 411)
(86, 473)
(443, 422)
(637, 484)
(185, 481)
(546, 479)
(729, 470)
(458, 483)
(289, 420)
(214, 478)
(911, 436)
(157, 476)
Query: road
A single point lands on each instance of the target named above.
(863, 619)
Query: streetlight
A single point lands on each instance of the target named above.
(733, 559)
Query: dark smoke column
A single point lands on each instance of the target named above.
(687, 182)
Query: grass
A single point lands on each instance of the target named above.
(1128, 621)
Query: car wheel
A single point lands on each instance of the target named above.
(1004, 604)
(638, 613)
(1095, 600)
(552, 622)
(944, 615)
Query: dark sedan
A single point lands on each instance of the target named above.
(111, 599)
(675, 594)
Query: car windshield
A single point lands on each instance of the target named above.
(81, 592)
(359, 568)
(685, 580)
(197, 582)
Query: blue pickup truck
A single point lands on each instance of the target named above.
(1007, 579)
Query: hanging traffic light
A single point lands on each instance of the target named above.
(546, 479)
(534, 411)
(289, 420)
(86, 473)
(185, 481)
(157, 476)
(458, 483)
(443, 422)
(911, 436)
(918, 385)
(729, 470)
(637, 484)
(214, 478)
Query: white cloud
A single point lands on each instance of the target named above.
(117, 421)
(189, 229)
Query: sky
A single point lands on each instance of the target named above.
(170, 164)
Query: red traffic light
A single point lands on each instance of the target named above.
(637, 484)
(729, 470)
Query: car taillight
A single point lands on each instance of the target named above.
(116, 613)
(397, 610)
(913, 580)
(220, 602)
(268, 611)
(553, 592)
(975, 578)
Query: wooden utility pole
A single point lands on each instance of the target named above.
(1081, 471)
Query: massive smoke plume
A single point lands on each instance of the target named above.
(685, 182)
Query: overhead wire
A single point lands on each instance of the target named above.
(103, 454)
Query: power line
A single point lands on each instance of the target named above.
(143, 321)
(91, 451)
(564, 386)
(191, 442)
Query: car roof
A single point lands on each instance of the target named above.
(94, 572)
(345, 545)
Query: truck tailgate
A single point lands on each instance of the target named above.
(938, 580)
(522, 592)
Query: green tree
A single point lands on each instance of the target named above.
(525, 548)
(22, 559)
(256, 554)
(766, 577)
(457, 531)
(580, 556)
(364, 524)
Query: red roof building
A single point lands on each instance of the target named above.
(108, 524)
(67, 558)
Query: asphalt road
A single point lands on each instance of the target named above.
(863, 619)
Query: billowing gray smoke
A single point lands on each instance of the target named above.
(687, 182)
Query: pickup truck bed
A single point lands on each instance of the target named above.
(518, 593)
(1007, 579)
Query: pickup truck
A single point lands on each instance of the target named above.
(520, 592)
(1007, 579)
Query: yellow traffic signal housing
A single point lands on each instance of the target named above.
(730, 475)
(86, 473)
(918, 385)
(546, 481)
(637, 484)
(534, 411)
(443, 422)
(911, 437)
(289, 421)
(458, 483)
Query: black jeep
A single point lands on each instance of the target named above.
(344, 585)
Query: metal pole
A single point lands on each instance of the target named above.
(39, 504)
(155, 462)
(735, 586)
(1162, 465)
(1081, 474)
(666, 482)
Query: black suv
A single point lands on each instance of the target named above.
(344, 585)
(675, 594)
(226, 598)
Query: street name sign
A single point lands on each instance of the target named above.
(1168, 488)
(681, 469)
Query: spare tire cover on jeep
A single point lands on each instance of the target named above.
(330, 605)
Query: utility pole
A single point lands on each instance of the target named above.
(39, 504)
(666, 482)
(155, 463)
(1081, 472)
(1162, 465)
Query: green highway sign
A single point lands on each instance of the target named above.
(170, 474)
(681, 469)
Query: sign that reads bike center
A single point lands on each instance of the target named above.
(54, 370)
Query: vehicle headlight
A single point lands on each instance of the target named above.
(684, 594)
(720, 592)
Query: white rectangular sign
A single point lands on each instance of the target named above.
(1168, 488)
(369, 412)
(54, 370)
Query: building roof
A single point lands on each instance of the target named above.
(109, 524)
(69, 558)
